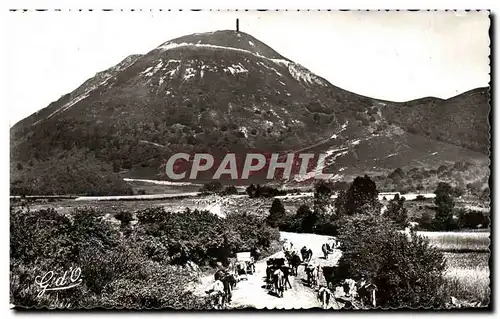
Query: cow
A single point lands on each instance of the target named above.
(286, 276)
(312, 272)
(287, 246)
(306, 254)
(334, 276)
(324, 295)
(229, 283)
(350, 289)
(255, 253)
(367, 292)
(294, 261)
(241, 268)
(216, 294)
(278, 283)
(326, 249)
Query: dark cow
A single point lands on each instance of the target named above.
(229, 282)
(367, 291)
(325, 295)
(306, 254)
(286, 276)
(294, 261)
(312, 275)
(278, 283)
(326, 249)
(332, 276)
(255, 253)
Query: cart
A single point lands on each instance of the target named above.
(245, 263)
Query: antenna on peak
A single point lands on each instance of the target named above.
(237, 25)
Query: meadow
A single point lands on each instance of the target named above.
(459, 242)
(467, 258)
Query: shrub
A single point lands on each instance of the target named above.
(230, 190)
(322, 193)
(444, 202)
(263, 191)
(276, 214)
(472, 219)
(212, 187)
(420, 198)
(397, 212)
(125, 217)
(134, 271)
(406, 269)
(361, 196)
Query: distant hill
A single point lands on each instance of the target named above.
(461, 120)
(222, 92)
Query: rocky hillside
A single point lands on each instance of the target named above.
(223, 92)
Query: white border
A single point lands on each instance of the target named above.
(493, 5)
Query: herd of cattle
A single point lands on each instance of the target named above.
(339, 291)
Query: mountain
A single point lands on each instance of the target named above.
(223, 92)
(461, 120)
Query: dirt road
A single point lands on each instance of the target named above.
(252, 292)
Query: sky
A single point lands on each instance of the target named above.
(395, 56)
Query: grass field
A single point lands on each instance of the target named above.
(468, 276)
(459, 242)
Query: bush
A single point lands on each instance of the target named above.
(212, 187)
(276, 214)
(361, 196)
(125, 218)
(420, 198)
(396, 211)
(407, 270)
(444, 213)
(230, 190)
(148, 268)
(472, 219)
(263, 191)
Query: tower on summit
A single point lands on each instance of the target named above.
(237, 25)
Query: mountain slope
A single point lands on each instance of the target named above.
(461, 120)
(216, 92)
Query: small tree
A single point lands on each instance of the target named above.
(125, 217)
(361, 194)
(277, 214)
(212, 187)
(443, 218)
(251, 190)
(397, 212)
(322, 196)
(230, 190)
(308, 219)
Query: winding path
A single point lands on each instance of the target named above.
(252, 292)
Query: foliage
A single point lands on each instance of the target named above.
(397, 212)
(230, 190)
(263, 191)
(471, 219)
(78, 174)
(361, 197)
(406, 269)
(445, 204)
(277, 214)
(322, 194)
(212, 187)
(125, 217)
(148, 268)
